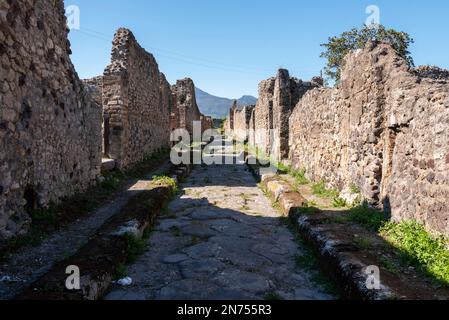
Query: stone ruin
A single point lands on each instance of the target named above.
(432, 72)
(49, 128)
(187, 111)
(55, 128)
(382, 130)
(206, 123)
(237, 124)
(277, 98)
(136, 102)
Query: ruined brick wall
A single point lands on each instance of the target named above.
(384, 129)
(242, 119)
(277, 98)
(264, 115)
(206, 123)
(287, 92)
(252, 127)
(94, 87)
(136, 99)
(167, 106)
(50, 128)
(185, 106)
(229, 122)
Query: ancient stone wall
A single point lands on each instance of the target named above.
(264, 115)
(94, 87)
(229, 122)
(277, 98)
(242, 119)
(50, 128)
(252, 127)
(185, 107)
(206, 123)
(384, 130)
(135, 96)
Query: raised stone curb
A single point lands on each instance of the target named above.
(336, 257)
(99, 259)
(283, 193)
(339, 260)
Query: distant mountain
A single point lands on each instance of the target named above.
(219, 107)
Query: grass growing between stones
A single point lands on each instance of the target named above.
(364, 243)
(309, 210)
(308, 260)
(135, 247)
(319, 189)
(370, 218)
(419, 248)
(389, 265)
(410, 242)
(47, 220)
(164, 180)
(298, 175)
(121, 272)
(339, 203)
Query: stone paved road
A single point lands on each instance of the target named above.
(220, 240)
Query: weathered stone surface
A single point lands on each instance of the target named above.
(206, 123)
(137, 101)
(241, 122)
(220, 240)
(432, 72)
(186, 109)
(291, 202)
(384, 129)
(277, 98)
(94, 86)
(50, 127)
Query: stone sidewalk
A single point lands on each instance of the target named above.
(31, 262)
(220, 240)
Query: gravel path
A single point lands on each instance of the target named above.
(220, 240)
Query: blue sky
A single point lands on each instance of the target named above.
(228, 46)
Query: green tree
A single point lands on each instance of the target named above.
(338, 47)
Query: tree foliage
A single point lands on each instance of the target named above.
(338, 47)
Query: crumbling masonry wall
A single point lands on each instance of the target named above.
(242, 119)
(94, 87)
(383, 129)
(277, 98)
(264, 115)
(206, 123)
(135, 96)
(186, 110)
(252, 127)
(50, 128)
(229, 122)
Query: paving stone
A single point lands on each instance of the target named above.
(175, 258)
(214, 249)
(244, 281)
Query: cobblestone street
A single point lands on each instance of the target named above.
(220, 240)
